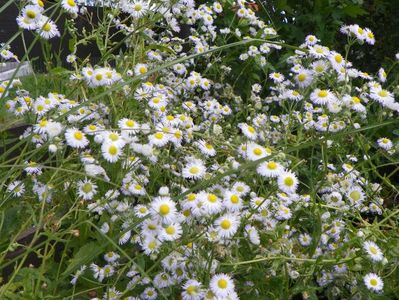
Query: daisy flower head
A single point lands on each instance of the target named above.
(287, 182)
(255, 151)
(70, 6)
(248, 131)
(304, 78)
(227, 225)
(277, 77)
(195, 169)
(310, 40)
(355, 196)
(373, 282)
(140, 69)
(206, 148)
(159, 139)
(369, 36)
(192, 290)
(381, 95)
(222, 285)
(136, 8)
(111, 152)
(164, 209)
(171, 232)
(270, 169)
(385, 143)
(47, 29)
(321, 97)
(76, 138)
(16, 188)
(373, 251)
(232, 201)
(86, 189)
(32, 13)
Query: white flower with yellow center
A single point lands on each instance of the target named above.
(164, 209)
(111, 152)
(227, 225)
(76, 138)
(222, 285)
(195, 169)
(373, 251)
(70, 6)
(373, 282)
(270, 169)
(321, 97)
(287, 182)
(192, 290)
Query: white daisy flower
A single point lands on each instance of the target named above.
(192, 290)
(171, 232)
(373, 251)
(194, 169)
(287, 182)
(321, 97)
(159, 139)
(75, 138)
(255, 151)
(385, 143)
(270, 169)
(164, 209)
(70, 6)
(227, 225)
(111, 152)
(222, 285)
(86, 189)
(373, 282)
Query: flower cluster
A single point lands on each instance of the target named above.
(199, 186)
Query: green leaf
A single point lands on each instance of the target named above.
(354, 10)
(86, 254)
(161, 48)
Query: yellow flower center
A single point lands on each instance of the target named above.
(194, 170)
(289, 181)
(191, 290)
(251, 129)
(31, 14)
(87, 187)
(301, 77)
(137, 7)
(323, 93)
(47, 27)
(225, 224)
(257, 151)
(383, 93)
(355, 195)
(191, 197)
(113, 150)
(338, 58)
(152, 245)
(170, 230)
(271, 165)
(212, 198)
(373, 250)
(355, 100)
(159, 135)
(78, 135)
(222, 283)
(234, 199)
(142, 70)
(164, 209)
(71, 3)
(373, 282)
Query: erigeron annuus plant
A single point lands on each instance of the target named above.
(164, 175)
